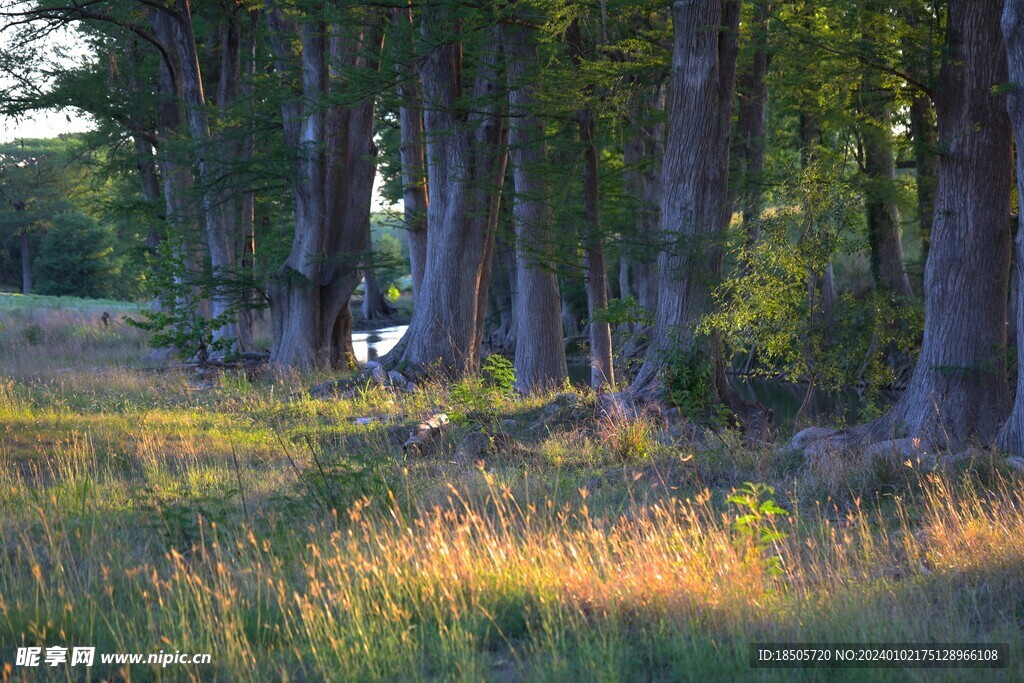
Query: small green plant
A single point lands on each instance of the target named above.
(475, 397)
(33, 334)
(499, 374)
(688, 377)
(756, 524)
(177, 320)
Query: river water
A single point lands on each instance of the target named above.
(783, 398)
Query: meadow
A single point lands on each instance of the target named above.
(288, 535)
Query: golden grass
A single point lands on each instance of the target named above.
(138, 513)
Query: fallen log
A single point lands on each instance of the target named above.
(423, 433)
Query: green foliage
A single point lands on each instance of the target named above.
(475, 397)
(627, 311)
(77, 258)
(177, 321)
(499, 374)
(33, 334)
(688, 377)
(775, 304)
(756, 524)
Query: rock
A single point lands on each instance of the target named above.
(901, 448)
(397, 378)
(410, 387)
(379, 375)
(1016, 462)
(805, 437)
(473, 448)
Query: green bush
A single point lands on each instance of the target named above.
(77, 258)
(177, 321)
(688, 376)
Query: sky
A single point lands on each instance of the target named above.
(48, 124)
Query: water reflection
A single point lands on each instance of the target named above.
(372, 344)
(784, 400)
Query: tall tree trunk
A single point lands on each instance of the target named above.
(602, 372)
(217, 238)
(464, 157)
(752, 98)
(375, 306)
(1011, 436)
(490, 249)
(643, 156)
(695, 201)
(540, 353)
(504, 287)
(149, 180)
(335, 166)
(411, 152)
(923, 129)
(246, 234)
(926, 159)
(958, 389)
(884, 237)
(175, 172)
(26, 263)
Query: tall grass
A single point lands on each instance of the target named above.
(144, 511)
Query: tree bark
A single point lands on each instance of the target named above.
(1011, 436)
(411, 152)
(752, 99)
(335, 167)
(26, 263)
(695, 201)
(602, 372)
(643, 156)
(540, 353)
(958, 390)
(464, 157)
(884, 236)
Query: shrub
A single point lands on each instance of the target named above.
(77, 258)
(177, 321)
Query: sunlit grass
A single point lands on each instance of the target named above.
(237, 515)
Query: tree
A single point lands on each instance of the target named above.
(76, 258)
(1011, 435)
(752, 106)
(466, 159)
(602, 372)
(958, 390)
(30, 192)
(334, 164)
(695, 206)
(540, 353)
